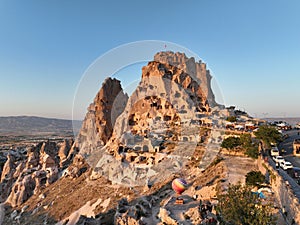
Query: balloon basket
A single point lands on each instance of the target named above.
(179, 201)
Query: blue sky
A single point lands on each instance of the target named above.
(251, 47)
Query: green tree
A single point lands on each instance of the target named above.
(268, 134)
(231, 143)
(252, 151)
(231, 119)
(239, 206)
(254, 178)
(246, 140)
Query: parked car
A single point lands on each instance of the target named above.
(274, 151)
(278, 158)
(285, 165)
(294, 172)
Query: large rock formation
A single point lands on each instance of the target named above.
(167, 109)
(100, 119)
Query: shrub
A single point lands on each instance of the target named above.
(231, 143)
(252, 152)
(254, 178)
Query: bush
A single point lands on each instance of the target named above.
(252, 152)
(254, 178)
(231, 143)
(246, 140)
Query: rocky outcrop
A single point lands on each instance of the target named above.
(196, 70)
(165, 217)
(8, 168)
(21, 191)
(77, 168)
(23, 178)
(63, 152)
(100, 119)
(7, 177)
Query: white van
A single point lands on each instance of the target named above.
(274, 151)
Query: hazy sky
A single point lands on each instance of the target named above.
(251, 47)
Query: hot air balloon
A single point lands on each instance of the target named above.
(179, 185)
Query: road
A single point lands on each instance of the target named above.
(287, 145)
(286, 177)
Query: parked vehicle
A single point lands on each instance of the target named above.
(274, 151)
(285, 165)
(278, 159)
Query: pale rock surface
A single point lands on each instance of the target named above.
(99, 121)
(21, 179)
(64, 150)
(165, 217)
(197, 70)
(9, 168)
(21, 191)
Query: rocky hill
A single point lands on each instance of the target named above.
(129, 149)
(169, 105)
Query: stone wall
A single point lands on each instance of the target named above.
(283, 192)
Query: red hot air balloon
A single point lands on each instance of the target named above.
(179, 185)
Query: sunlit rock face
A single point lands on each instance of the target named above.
(99, 121)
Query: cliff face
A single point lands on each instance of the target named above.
(99, 121)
